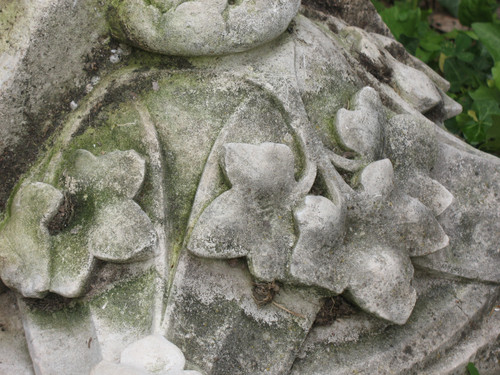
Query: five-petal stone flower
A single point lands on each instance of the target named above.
(365, 255)
(107, 225)
(253, 218)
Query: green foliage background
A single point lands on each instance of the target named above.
(468, 59)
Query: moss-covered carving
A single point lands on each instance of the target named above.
(53, 237)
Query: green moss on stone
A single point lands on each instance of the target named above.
(129, 304)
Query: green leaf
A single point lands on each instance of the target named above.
(496, 74)
(470, 11)
(489, 35)
(411, 44)
(492, 143)
(451, 6)
(460, 74)
(466, 56)
(472, 369)
(485, 93)
(401, 21)
(463, 42)
(431, 41)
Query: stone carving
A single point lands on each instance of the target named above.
(194, 28)
(235, 198)
(253, 220)
(107, 225)
(150, 355)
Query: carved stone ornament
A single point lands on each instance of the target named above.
(236, 187)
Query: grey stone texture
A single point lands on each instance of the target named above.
(273, 199)
(193, 28)
(150, 355)
(49, 52)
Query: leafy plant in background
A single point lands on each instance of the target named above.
(472, 369)
(468, 59)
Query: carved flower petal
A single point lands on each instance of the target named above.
(25, 240)
(414, 226)
(362, 43)
(121, 232)
(231, 227)
(380, 281)
(360, 130)
(314, 259)
(377, 178)
(265, 172)
(223, 229)
(411, 143)
(72, 265)
(415, 87)
(155, 354)
(429, 192)
(120, 171)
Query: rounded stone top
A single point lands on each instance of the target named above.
(200, 28)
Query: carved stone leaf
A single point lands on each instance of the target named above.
(377, 178)
(119, 171)
(380, 280)
(314, 259)
(410, 144)
(34, 262)
(360, 129)
(253, 218)
(260, 172)
(72, 265)
(429, 192)
(121, 232)
(222, 230)
(231, 228)
(401, 219)
(415, 87)
(414, 227)
(25, 240)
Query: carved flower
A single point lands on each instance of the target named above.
(253, 218)
(364, 253)
(106, 224)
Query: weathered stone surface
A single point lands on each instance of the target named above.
(234, 197)
(354, 12)
(360, 129)
(197, 28)
(154, 354)
(150, 355)
(472, 220)
(215, 321)
(120, 171)
(25, 241)
(49, 51)
(110, 368)
(357, 343)
(14, 356)
(48, 332)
